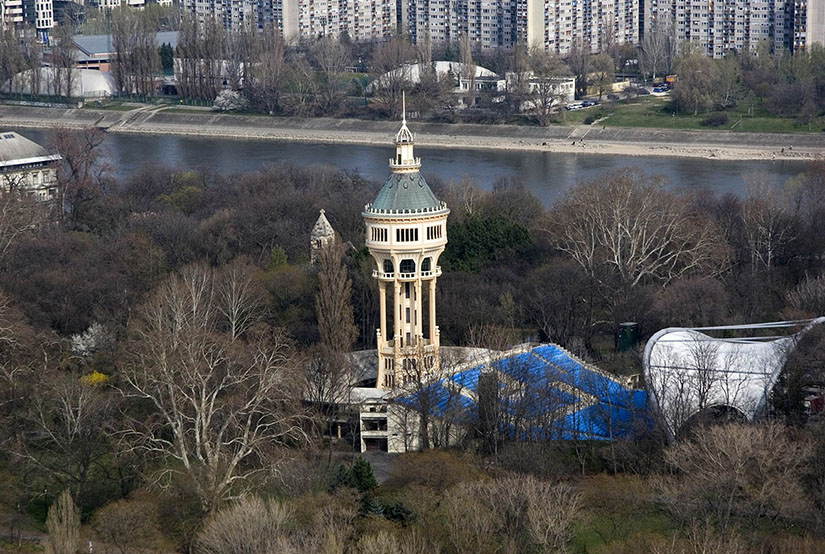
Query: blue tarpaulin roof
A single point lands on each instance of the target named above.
(551, 393)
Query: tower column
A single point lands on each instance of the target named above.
(397, 309)
(418, 317)
(432, 308)
(382, 322)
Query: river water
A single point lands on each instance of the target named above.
(546, 174)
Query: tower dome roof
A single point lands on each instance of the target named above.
(406, 192)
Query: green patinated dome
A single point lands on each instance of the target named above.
(406, 191)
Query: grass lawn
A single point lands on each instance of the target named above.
(655, 112)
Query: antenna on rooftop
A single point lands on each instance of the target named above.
(403, 107)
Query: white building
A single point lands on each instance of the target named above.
(27, 167)
(690, 374)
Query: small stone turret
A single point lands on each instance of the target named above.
(322, 235)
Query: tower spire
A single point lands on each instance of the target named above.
(403, 107)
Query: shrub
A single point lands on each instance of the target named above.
(715, 120)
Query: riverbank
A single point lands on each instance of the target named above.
(581, 139)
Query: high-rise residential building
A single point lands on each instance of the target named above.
(303, 19)
(806, 21)
(35, 13)
(718, 27)
(559, 25)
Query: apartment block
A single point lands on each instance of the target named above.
(721, 26)
(559, 25)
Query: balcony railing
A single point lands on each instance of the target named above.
(406, 276)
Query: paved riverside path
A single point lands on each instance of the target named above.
(593, 139)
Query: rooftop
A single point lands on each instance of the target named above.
(18, 150)
(406, 193)
(103, 45)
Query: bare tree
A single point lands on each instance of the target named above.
(656, 48)
(20, 214)
(216, 404)
(626, 230)
(329, 376)
(579, 62)
(266, 77)
(391, 64)
(63, 525)
(81, 175)
(729, 471)
(769, 222)
(331, 58)
(63, 59)
(239, 299)
(468, 68)
(137, 59)
(67, 436)
(249, 526)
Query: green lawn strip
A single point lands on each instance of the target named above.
(656, 113)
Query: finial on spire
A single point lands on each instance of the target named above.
(323, 211)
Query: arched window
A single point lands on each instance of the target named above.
(427, 264)
(407, 266)
(388, 266)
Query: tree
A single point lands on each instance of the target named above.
(747, 471)
(329, 377)
(541, 89)
(769, 223)
(137, 59)
(657, 48)
(249, 526)
(215, 405)
(229, 101)
(266, 78)
(604, 73)
(67, 436)
(391, 66)
(63, 525)
(20, 215)
(579, 62)
(331, 59)
(624, 230)
(63, 61)
(468, 68)
(82, 175)
(698, 84)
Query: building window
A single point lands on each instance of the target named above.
(407, 266)
(388, 267)
(406, 235)
(426, 265)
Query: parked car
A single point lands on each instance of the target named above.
(576, 106)
(660, 89)
(643, 91)
(612, 96)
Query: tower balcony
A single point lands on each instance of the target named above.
(397, 164)
(381, 276)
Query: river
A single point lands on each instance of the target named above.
(546, 174)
